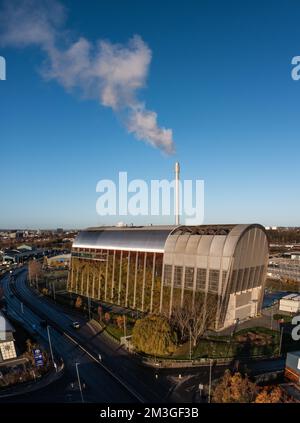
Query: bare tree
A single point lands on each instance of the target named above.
(194, 320)
(202, 316)
(34, 270)
(180, 319)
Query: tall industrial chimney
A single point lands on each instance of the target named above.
(177, 171)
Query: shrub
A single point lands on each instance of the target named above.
(234, 388)
(154, 335)
(78, 302)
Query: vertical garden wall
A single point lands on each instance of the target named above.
(126, 278)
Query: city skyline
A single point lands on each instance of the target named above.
(222, 85)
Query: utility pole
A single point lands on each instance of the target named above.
(53, 289)
(124, 321)
(280, 343)
(79, 382)
(210, 375)
(190, 344)
(89, 307)
(272, 311)
(50, 345)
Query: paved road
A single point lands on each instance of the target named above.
(100, 386)
(151, 385)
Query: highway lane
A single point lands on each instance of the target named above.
(142, 379)
(100, 386)
(139, 378)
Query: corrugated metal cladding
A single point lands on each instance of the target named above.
(225, 261)
(170, 264)
(243, 249)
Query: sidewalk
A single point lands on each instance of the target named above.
(32, 386)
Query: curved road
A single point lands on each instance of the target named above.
(101, 386)
(120, 377)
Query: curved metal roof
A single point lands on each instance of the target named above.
(150, 239)
(207, 240)
(160, 238)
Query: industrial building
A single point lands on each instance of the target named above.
(286, 268)
(290, 303)
(61, 260)
(292, 366)
(158, 268)
(7, 342)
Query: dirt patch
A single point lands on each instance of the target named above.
(256, 339)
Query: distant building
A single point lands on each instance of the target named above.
(290, 303)
(284, 268)
(9, 257)
(24, 247)
(7, 342)
(292, 366)
(19, 235)
(58, 261)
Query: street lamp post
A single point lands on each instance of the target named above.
(79, 382)
(53, 289)
(210, 375)
(190, 344)
(50, 345)
(89, 307)
(124, 320)
(272, 311)
(280, 343)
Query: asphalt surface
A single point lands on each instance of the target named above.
(119, 377)
(100, 387)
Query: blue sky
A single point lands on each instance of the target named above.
(219, 77)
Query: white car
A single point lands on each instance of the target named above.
(76, 325)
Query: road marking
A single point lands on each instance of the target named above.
(120, 381)
(133, 392)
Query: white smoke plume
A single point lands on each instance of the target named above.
(110, 73)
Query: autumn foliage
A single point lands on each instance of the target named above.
(154, 335)
(34, 270)
(269, 395)
(78, 302)
(234, 388)
(120, 321)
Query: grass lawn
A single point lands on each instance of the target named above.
(117, 332)
(245, 343)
